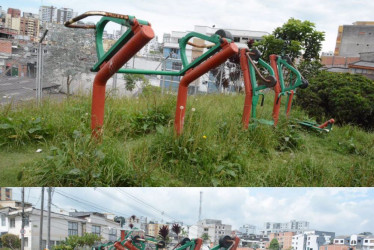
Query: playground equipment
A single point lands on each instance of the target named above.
(138, 34)
(138, 243)
(186, 243)
(252, 88)
(295, 80)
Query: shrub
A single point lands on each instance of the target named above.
(347, 98)
(10, 240)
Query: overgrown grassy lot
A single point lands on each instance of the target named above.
(139, 147)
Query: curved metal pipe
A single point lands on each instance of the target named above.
(69, 23)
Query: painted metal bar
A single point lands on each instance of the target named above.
(289, 102)
(248, 89)
(150, 72)
(277, 89)
(228, 50)
(142, 35)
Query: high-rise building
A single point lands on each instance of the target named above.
(65, 14)
(14, 12)
(29, 27)
(48, 14)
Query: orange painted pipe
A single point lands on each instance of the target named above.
(130, 246)
(236, 243)
(118, 246)
(331, 121)
(248, 89)
(199, 243)
(277, 89)
(228, 50)
(142, 35)
(289, 104)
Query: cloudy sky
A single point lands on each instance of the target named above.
(262, 15)
(341, 210)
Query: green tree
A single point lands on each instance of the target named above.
(274, 244)
(10, 240)
(205, 237)
(132, 79)
(75, 241)
(294, 38)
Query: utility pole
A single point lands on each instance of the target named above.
(114, 85)
(201, 200)
(49, 217)
(40, 69)
(23, 220)
(41, 221)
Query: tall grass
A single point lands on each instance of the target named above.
(140, 148)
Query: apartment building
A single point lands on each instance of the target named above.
(284, 239)
(173, 60)
(355, 39)
(213, 228)
(62, 225)
(368, 243)
(311, 240)
(154, 228)
(247, 229)
(291, 226)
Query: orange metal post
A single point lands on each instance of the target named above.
(277, 89)
(236, 243)
(129, 245)
(123, 235)
(228, 50)
(289, 104)
(248, 89)
(118, 246)
(142, 35)
(199, 243)
(331, 121)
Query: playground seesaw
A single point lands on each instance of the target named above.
(138, 34)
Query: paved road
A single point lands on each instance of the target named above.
(17, 89)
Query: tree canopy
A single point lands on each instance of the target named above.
(274, 244)
(295, 38)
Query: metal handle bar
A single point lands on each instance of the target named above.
(200, 46)
(248, 54)
(69, 23)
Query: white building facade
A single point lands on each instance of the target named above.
(213, 228)
(311, 240)
(62, 226)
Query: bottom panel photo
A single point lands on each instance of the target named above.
(187, 218)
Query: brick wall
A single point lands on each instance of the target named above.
(5, 47)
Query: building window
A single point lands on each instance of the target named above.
(12, 222)
(27, 221)
(96, 230)
(112, 234)
(236, 39)
(2, 219)
(73, 228)
(176, 66)
(26, 240)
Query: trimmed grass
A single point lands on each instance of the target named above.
(139, 147)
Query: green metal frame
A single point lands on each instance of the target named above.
(256, 88)
(105, 56)
(191, 244)
(281, 63)
(313, 125)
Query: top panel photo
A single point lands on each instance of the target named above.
(177, 93)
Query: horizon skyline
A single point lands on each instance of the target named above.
(352, 199)
(327, 15)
